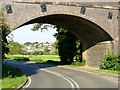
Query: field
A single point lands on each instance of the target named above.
(36, 58)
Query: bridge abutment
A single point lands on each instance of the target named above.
(94, 54)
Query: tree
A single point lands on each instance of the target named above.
(68, 45)
(4, 31)
(14, 48)
(79, 50)
(46, 50)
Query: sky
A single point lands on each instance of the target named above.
(25, 34)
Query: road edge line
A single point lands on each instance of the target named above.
(22, 85)
(88, 72)
(29, 82)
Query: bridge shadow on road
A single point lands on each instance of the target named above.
(31, 68)
(34, 67)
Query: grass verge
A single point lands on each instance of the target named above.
(12, 77)
(8, 83)
(108, 71)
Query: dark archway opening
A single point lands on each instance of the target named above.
(88, 32)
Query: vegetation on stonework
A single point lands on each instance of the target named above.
(11, 77)
(110, 62)
(4, 31)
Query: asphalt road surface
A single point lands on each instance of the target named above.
(48, 76)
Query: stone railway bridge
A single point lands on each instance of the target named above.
(94, 23)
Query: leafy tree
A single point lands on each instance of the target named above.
(14, 48)
(4, 31)
(110, 62)
(68, 45)
(46, 50)
(37, 46)
(42, 26)
(78, 56)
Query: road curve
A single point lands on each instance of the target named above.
(48, 76)
(43, 78)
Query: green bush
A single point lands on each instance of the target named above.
(8, 71)
(110, 62)
(77, 63)
(53, 62)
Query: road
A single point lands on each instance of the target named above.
(48, 76)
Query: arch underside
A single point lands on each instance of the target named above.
(88, 32)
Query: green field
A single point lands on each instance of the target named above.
(36, 58)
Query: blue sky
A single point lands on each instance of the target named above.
(25, 34)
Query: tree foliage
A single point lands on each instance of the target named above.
(4, 31)
(68, 45)
(14, 48)
(42, 26)
(110, 62)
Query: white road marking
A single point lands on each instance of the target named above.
(29, 82)
(69, 80)
(92, 73)
(72, 83)
(77, 86)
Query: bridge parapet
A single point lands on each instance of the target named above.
(79, 3)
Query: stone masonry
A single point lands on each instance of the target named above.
(97, 32)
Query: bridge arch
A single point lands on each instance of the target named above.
(91, 28)
(88, 32)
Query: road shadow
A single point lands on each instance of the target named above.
(41, 65)
(31, 68)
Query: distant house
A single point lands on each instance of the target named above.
(50, 48)
(31, 47)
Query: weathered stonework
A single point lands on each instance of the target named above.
(91, 28)
(99, 51)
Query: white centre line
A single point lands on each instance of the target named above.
(72, 83)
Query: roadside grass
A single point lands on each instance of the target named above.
(108, 71)
(77, 63)
(8, 83)
(12, 77)
(0, 84)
